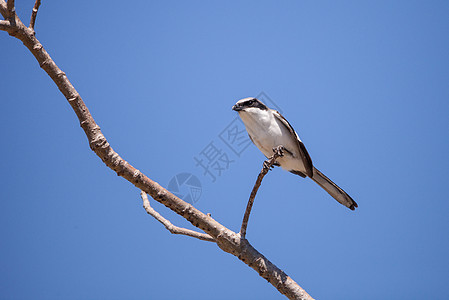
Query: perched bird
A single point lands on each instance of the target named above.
(268, 129)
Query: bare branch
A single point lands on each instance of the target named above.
(34, 14)
(5, 25)
(226, 239)
(170, 227)
(3, 9)
(277, 152)
(11, 9)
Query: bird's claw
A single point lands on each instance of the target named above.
(279, 150)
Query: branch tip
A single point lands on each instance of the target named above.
(34, 14)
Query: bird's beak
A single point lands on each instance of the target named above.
(237, 107)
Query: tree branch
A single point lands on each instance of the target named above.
(11, 9)
(3, 9)
(226, 239)
(170, 227)
(5, 25)
(277, 152)
(34, 14)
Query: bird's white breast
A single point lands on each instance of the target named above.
(268, 132)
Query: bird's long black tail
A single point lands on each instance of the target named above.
(333, 189)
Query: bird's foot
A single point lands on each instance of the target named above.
(279, 150)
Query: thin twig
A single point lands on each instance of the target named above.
(170, 227)
(277, 152)
(34, 14)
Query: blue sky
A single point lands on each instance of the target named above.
(365, 84)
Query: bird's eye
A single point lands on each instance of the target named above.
(250, 102)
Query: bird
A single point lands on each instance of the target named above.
(268, 129)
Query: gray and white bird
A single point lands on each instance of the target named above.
(268, 129)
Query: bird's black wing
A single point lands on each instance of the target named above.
(302, 149)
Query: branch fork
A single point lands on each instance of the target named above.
(12, 23)
(169, 226)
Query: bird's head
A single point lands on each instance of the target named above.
(248, 104)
